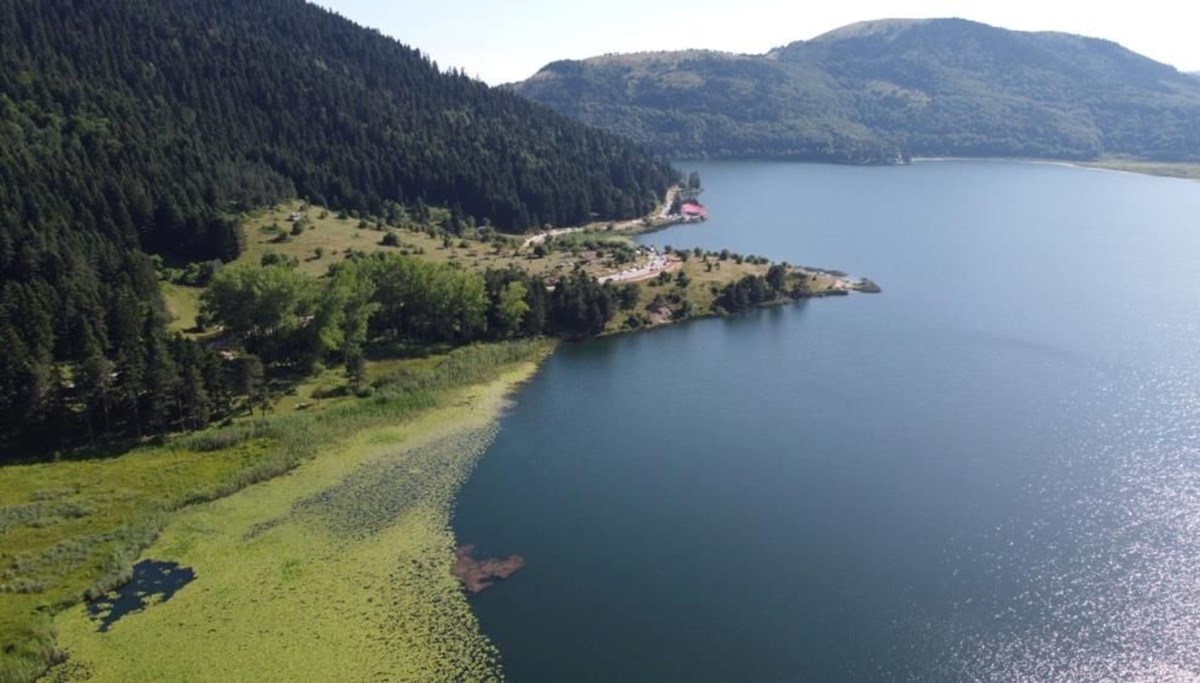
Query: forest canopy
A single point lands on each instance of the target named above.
(879, 91)
(131, 128)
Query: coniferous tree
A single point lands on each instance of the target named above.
(95, 383)
(251, 380)
(161, 379)
(131, 127)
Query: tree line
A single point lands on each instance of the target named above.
(132, 381)
(755, 290)
(277, 320)
(286, 317)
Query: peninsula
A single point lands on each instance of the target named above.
(393, 417)
(267, 241)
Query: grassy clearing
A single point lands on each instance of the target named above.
(183, 304)
(703, 282)
(270, 231)
(71, 528)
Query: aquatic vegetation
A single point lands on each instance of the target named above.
(380, 492)
(478, 575)
(339, 571)
(74, 529)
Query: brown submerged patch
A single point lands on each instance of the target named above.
(477, 575)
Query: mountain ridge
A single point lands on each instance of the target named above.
(875, 91)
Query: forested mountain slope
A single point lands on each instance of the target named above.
(135, 126)
(875, 90)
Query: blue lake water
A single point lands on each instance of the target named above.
(989, 471)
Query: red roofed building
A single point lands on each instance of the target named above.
(693, 209)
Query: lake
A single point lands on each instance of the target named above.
(989, 471)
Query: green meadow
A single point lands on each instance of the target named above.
(320, 238)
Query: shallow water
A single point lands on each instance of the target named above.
(152, 582)
(989, 471)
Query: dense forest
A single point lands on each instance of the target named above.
(133, 131)
(883, 90)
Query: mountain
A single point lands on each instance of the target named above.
(136, 127)
(874, 90)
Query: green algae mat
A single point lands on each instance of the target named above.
(339, 570)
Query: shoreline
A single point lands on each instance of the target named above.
(830, 284)
(332, 592)
(1179, 170)
(282, 544)
(258, 515)
(349, 556)
(658, 219)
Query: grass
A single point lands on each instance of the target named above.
(333, 236)
(270, 231)
(1190, 171)
(183, 304)
(340, 571)
(72, 528)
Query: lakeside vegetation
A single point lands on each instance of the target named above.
(222, 264)
(554, 277)
(703, 283)
(71, 529)
(325, 358)
(340, 571)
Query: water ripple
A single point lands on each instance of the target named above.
(1116, 593)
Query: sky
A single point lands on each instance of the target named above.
(500, 41)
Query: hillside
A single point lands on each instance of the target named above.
(130, 127)
(871, 91)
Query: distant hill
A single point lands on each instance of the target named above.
(130, 127)
(874, 90)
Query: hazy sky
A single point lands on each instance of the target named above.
(509, 40)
